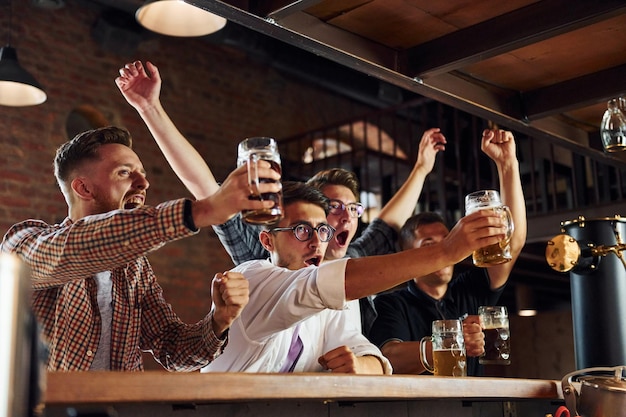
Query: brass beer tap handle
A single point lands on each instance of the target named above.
(616, 249)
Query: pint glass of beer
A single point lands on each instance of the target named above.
(250, 151)
(448, 349)
(498, 253)
(495, 323)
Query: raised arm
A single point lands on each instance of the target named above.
(402, 204)
(373, 274)
(499, 145)
(142, 90)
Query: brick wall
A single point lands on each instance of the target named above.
(215, 94)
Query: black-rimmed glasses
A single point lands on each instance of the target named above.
(304, 231)
(338, 207)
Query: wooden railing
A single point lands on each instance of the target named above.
(381, 147)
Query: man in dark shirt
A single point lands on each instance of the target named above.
(405, 316)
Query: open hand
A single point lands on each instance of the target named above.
(432, 142)
(139, 88)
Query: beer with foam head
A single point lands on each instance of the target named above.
(448, 349)
(500, 252)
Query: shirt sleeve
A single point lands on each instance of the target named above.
(340, 329)
(280, 297)
(241, 240)
(391, 323)
(176, 345)
(72, 250)
(378, 238)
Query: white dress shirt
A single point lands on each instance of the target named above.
(280, 298)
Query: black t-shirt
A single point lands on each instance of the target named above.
(407, 314)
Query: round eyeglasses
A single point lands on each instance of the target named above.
(304, 231)
(354, 209)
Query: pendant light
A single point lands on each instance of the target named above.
(613, 127)
(177, 18)
(17, 86)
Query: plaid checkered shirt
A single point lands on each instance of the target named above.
(63, 259)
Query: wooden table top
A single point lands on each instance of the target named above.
(164, 387)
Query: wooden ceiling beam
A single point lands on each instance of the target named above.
(573, 94)
(513, 30)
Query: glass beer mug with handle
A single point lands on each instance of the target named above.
(495, 323)
(498, 253)
(250, 151)
(448, 349)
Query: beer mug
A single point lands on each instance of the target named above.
(495, 323)
(250, 151)
(448, 349)
(498, 253)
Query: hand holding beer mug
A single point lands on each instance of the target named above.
(250, 152)
(449, 358)
(495, 323)
(498, 253)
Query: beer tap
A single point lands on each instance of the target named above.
(564, 253)
(617, 248)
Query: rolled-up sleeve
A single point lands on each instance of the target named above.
(331, 283)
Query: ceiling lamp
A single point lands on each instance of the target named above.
(17, 87)
(177, 18)
(613, 127)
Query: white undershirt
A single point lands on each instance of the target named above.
(102, 360)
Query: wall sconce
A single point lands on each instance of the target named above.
(177, 18)
(613, 127)
(17, 86)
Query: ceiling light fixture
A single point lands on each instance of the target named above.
(17, 86)
(177, 18)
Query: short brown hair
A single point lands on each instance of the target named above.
(300, 192)
(407, 232)
(296, 191)
(336, 176)
(84, 147)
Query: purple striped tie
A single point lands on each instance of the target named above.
(295, 350)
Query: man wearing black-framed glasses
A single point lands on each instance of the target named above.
(304, 231)
(354, 210)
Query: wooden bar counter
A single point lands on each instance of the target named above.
(157, 394)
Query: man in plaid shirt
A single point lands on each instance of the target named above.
(94, 292)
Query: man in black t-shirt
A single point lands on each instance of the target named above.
(405, 316)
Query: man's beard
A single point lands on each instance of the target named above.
(103, 204)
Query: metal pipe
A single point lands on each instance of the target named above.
(598, 294)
